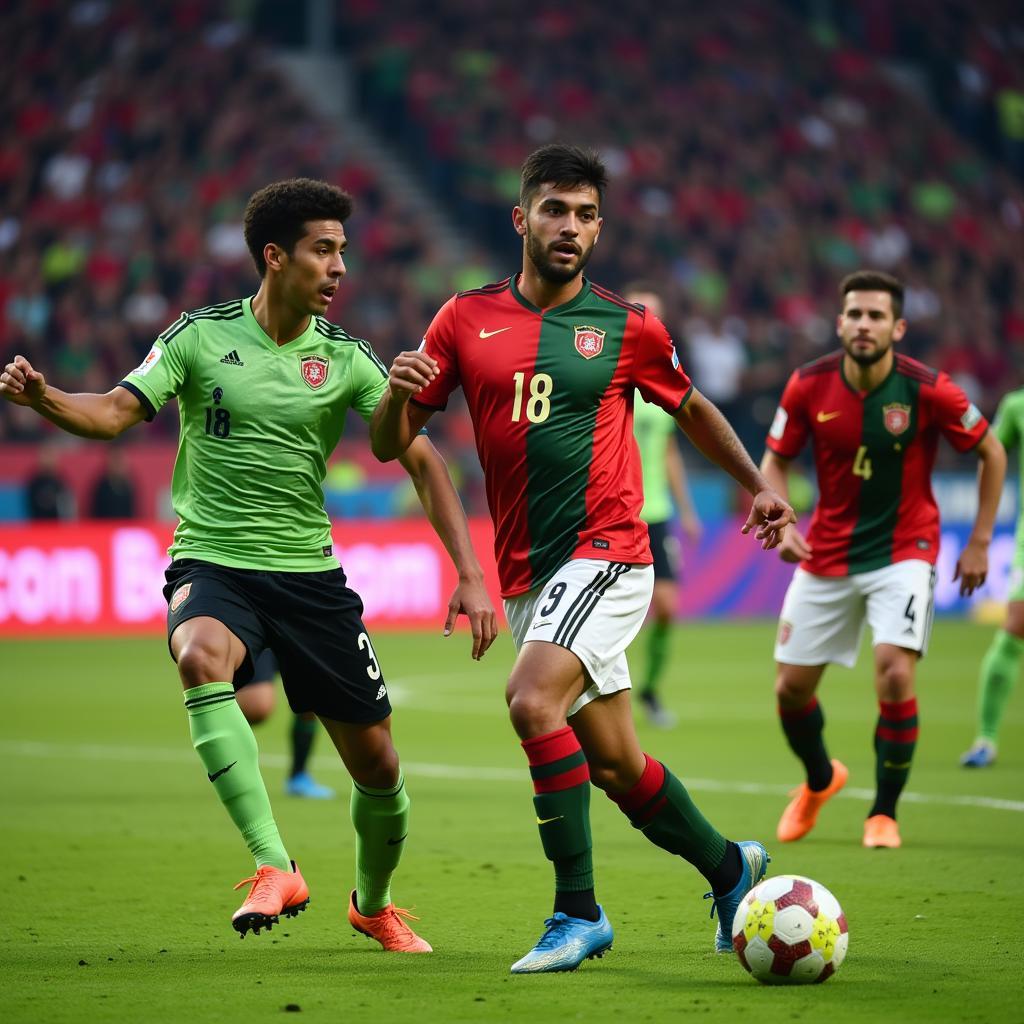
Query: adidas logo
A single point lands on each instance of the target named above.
(381, 692)
(232, 359)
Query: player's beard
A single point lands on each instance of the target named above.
(867, 358)
(551, 272)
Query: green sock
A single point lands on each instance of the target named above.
(226, 746)
(302, 735)
(563, 819)
(658, 634)
(381, 821)
(999, 670)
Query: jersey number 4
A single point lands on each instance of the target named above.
(861, 463)
(538, 404)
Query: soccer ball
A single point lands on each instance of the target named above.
(790, 930)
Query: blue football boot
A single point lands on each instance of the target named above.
(306, 786)
(981, 755)
(755, 861)
(566, 943)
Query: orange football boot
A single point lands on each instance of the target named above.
(388, 927)
(802, 811)
(273, 892)
(881, 831)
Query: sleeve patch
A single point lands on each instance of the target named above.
(970, 418)
(778, 428)
(152, 358)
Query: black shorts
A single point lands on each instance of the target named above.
(312, 622)
(264, 669)
(665, 549)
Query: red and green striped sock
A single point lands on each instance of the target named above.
(561, 784)
(804, 730)
(895, 739)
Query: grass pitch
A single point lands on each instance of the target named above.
(119, 861)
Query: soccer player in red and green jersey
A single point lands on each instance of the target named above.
(549, 362)
(874, 418)
(263, 385)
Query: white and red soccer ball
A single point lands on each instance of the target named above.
(790, 930)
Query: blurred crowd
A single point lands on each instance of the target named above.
(758, 152)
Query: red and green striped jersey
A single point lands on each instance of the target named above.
(873, 452)
(550, 393)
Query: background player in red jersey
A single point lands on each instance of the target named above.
(874, 418)
(549, 362)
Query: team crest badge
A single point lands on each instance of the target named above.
(180, 596)
(785, 632)
(896, 417)
(589, 341)
(314, 370)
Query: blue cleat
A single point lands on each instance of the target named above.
(755, 863)
(566, 943)
(306, 786)
(981, 755)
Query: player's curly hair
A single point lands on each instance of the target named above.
(567, 167)
(875, 281)
(278, 213)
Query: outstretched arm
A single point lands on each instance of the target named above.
(444, 510)
(100, 417)
(395, 422)
(794, 546)
(709, 430)
(972, 565)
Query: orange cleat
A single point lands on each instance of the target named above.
(388, 927)
(882, 832)
(802, 811)
(273, 892)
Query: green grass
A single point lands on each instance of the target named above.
(118, 862)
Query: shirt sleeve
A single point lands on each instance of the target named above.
(959, 419)
(657, 372)
(788, 432)
(1008, 419)
(161, 375)
(439, 343)
(369, 381)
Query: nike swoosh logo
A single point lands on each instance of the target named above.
(824, 417)
(537, 625)
(217, 775)
(395, 842)
(490, 334)
(545, 821)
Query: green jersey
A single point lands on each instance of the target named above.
(654, 430)
(1009, 428)
(258, 422)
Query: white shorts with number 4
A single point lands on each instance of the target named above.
(593, 608)
(823, 617)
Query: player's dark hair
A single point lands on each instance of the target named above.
(567, 167)
(875, 281)
(278, 213)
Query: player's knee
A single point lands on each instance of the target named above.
(200, 662)
(895, 681)
(531, 714)
(612, 776)
(379, 769)
(789, 693)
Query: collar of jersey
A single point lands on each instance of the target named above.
(267, 339)
(523, 301)
(864, 394)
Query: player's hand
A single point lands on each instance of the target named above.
(971, 567)
(692, 527)
(21, 384)
(770, 515)
(471, 599)
(410, 373)
(794, 546)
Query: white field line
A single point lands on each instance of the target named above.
(141, 755)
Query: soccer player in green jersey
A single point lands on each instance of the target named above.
(665, 495)
(549, 363)
(1001, 664)
(263, 386)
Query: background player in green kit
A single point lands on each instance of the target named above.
(549, 362)
(263, 387)
(1001, 664)
(665, 496)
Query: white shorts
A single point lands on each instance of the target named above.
(823, 617)
(593, 608)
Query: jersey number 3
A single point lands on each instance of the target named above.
(538, 404)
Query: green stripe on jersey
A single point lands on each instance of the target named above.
(559, 447)
(879, 464)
